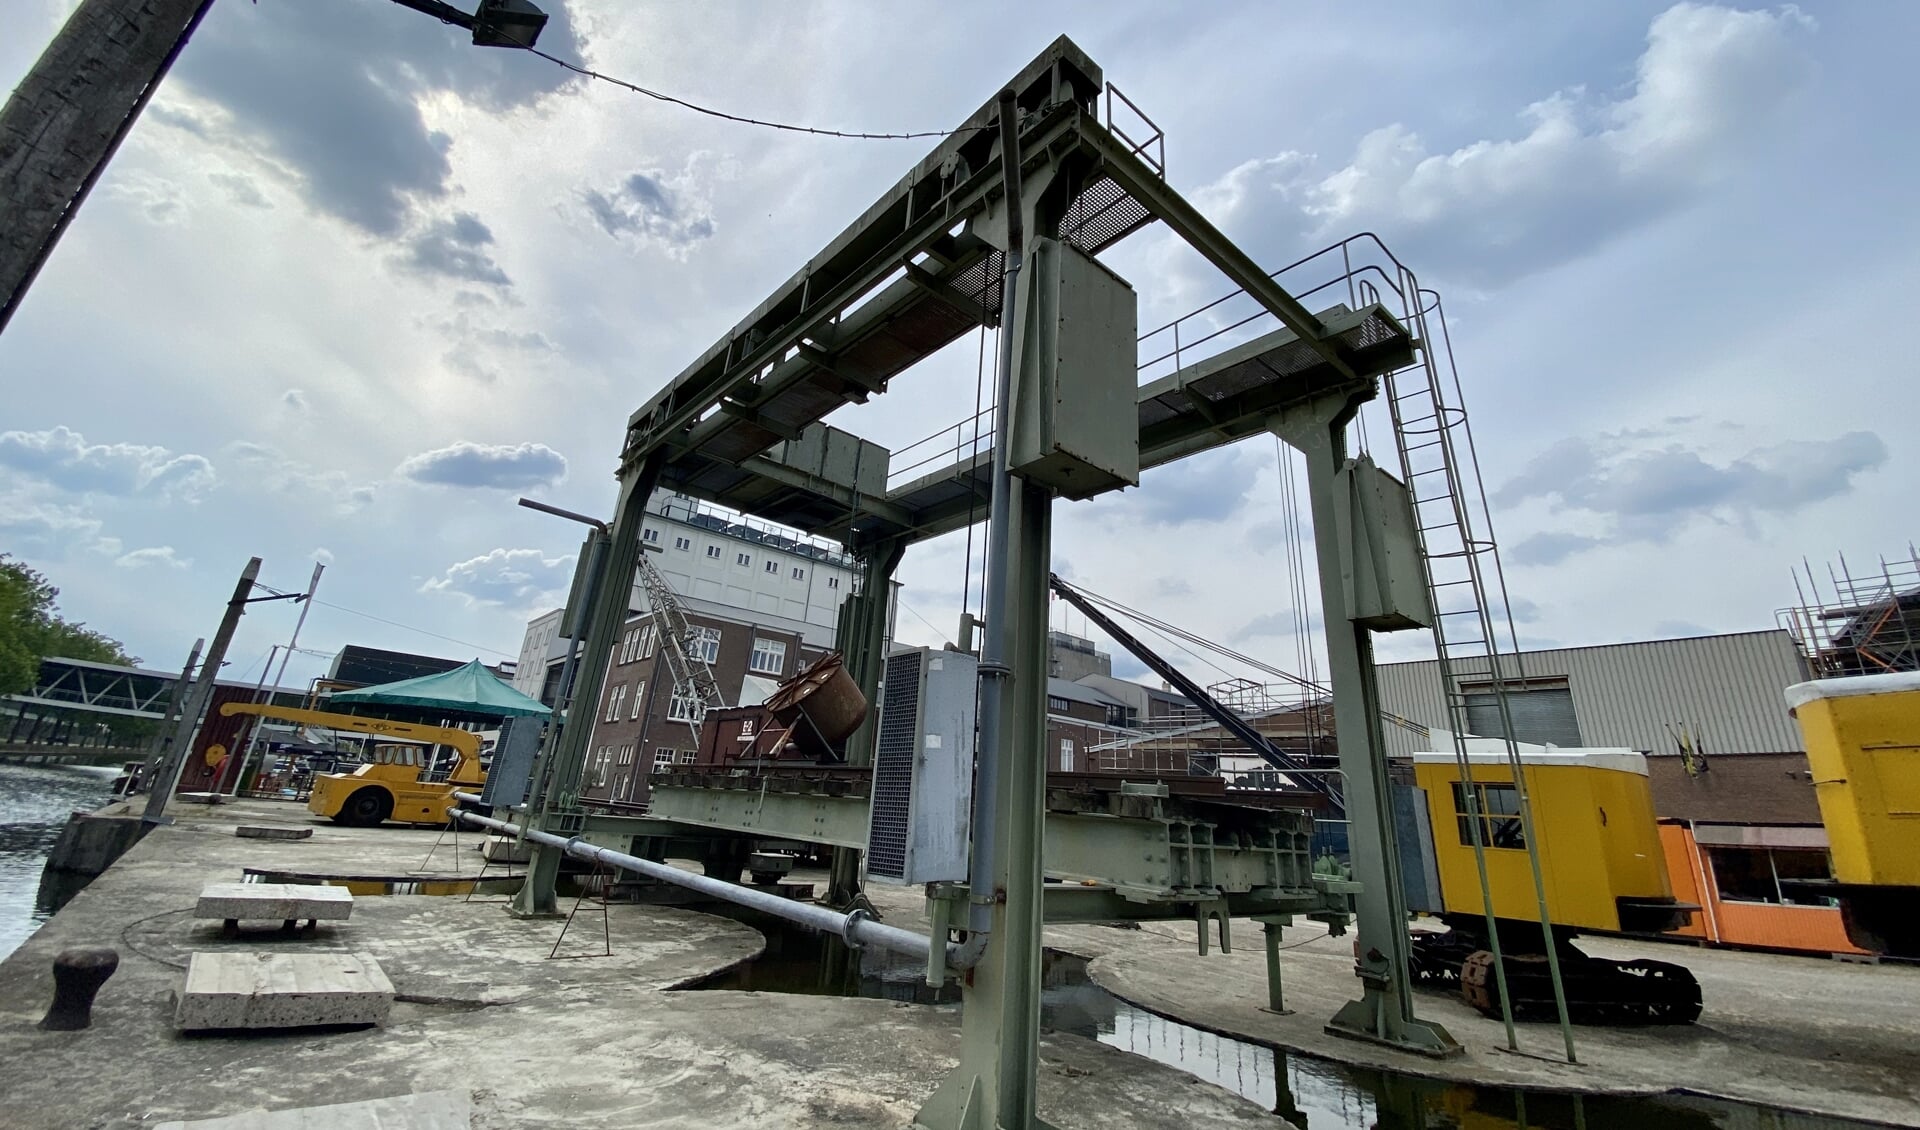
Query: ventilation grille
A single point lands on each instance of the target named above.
(893, 767)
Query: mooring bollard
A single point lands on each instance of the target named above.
(77, 977)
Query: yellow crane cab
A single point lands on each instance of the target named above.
(1601, 867)
(393, 786)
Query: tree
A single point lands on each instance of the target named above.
(30, 629)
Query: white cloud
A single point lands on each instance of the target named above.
(323, 555)
(153, 555)
(279, 474)
(64, 459)
(495, 466)
(51, 532)
(1647, 494)
(294, 399)
(1711, 80)
(512, 578)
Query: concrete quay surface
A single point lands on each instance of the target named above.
(1805, 1034)
(479, 1009)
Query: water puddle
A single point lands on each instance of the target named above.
(1310, 1093)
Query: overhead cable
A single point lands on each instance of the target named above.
(746, 121)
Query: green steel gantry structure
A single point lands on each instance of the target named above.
(1027, 193)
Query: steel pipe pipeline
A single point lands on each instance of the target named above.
(857, 928)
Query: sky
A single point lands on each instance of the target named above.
(353, 285)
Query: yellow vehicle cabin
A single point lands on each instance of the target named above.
(390, 786)
(1598, 842)
(1862, 734)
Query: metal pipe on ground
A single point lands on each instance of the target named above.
(857, 928)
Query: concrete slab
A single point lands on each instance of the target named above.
(284, 902)
(431, 1110)
(1800, 1033)
(282, 990)
(501, 849)
(540, 1045)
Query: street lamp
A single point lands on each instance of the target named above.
(496, 23)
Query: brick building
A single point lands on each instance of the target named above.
(642, 723)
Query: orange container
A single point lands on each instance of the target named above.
(1805, 929)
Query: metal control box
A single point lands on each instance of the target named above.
(1386, 582)
(923, 768)
(836, 456)
(1080, 434)
(512, 766)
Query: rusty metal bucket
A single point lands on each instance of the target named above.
(825, 696)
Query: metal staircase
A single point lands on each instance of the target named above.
(677, 644)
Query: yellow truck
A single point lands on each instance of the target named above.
(388, 788)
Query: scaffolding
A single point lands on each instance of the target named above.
(1865, 620)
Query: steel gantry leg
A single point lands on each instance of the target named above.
(1384, 1012)
(556, 808)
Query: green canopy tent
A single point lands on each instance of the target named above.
(468, 689)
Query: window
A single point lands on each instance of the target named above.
(639, 696)
(647, 640)
(1055, 702)
(1066, 755)
(799, 574)
(833, 582)
(685, 706)
(742, 559)
(773, 567)
(613, 702)
(713, 551)
(1499, 815)
(663, 759)
(1541, 713)
(769, 657)
(686, 757)
(704, 644)
(650, 535)
(683, 543)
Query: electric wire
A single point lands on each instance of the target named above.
(923, 620)
(403, 627)
(789, 127)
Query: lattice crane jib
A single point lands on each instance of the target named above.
(692, 676)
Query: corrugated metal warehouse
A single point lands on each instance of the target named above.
(1724, 690)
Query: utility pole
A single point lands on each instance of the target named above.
(293, 642)
(176, 702)
(69, 115)
(169, 775)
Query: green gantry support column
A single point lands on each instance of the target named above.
(1384, 1012)
(557, 810)
(862, 639)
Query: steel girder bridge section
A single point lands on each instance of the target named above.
(743, 427)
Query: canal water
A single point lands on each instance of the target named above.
(1309, 1093)
(35, 801)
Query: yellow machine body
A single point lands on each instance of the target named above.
(1599, 844)
(1863, 745)
(389, 788)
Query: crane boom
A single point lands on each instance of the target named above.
(691, 673)
(1228, 720)
(464, 743)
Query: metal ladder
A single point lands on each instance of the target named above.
(1467, 585)
(689, 667)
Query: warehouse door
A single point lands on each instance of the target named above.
(1542, 713)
